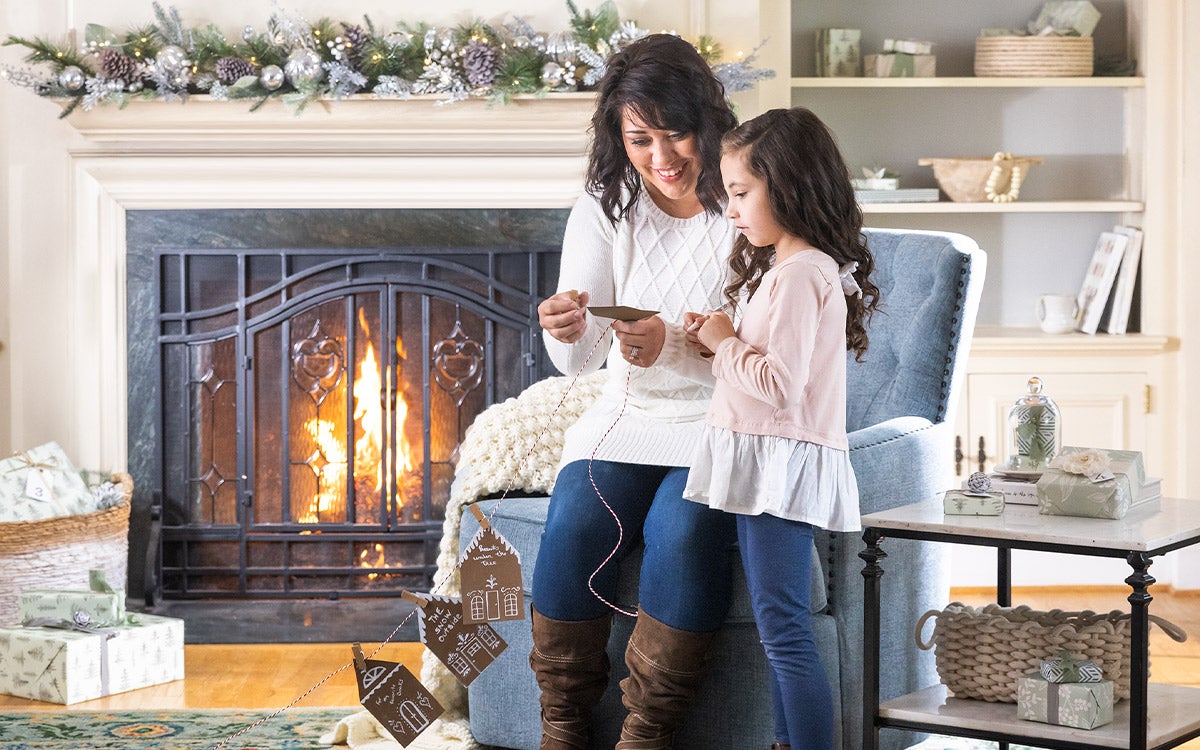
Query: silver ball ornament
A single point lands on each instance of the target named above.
(71, 78)
(171, 58)
(303, 66)
(552, 74)
(247, 33)
(271, 77)
(979, 482)
(561, 44)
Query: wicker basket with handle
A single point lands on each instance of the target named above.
(57, 553)
(980, 653)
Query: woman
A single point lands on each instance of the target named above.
(649, 233)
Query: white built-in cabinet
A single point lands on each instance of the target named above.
(1109, 158)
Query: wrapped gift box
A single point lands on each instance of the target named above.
(958, 503)
(69, 666)
(1084, 705)
(42, 483)
(102, 606)
(1017, 492)
(899, 65)
(839, 53)
(1064, 494)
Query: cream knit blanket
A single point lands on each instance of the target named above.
(513, 445)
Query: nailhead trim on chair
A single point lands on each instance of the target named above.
(943, 404)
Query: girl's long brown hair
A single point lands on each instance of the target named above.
(812, 198)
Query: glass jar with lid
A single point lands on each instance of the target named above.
(1034, 431)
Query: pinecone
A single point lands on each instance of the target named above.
(356, 41)
(231, 69)
(117, 65)
(479, 63)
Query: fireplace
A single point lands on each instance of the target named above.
(377, 159)
(304, 378)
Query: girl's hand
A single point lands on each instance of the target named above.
(563, 317)
(716, 328)
(691, 327)
(641, 340)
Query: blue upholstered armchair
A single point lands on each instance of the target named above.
(900, 400)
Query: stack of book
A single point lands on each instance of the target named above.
(1106, 298)
(899, 195)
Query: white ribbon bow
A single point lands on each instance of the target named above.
(850, 287)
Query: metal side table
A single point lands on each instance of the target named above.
(1155, 716)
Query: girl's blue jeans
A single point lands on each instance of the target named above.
(777, 556)
(685, 580)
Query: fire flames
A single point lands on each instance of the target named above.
(376, 409)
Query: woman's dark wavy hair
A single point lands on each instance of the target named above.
(662, 80)
(811, 197)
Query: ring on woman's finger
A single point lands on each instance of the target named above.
(633, 352)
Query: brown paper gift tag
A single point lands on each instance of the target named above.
(395, 697)
(620, 312)
(466, 650)
(491, 577)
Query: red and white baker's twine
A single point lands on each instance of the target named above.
(438, 586)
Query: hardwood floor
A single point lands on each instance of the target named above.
(249, 676)
(271, 676)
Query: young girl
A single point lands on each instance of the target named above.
(774, 449)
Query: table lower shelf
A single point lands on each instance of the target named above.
(1174, 712)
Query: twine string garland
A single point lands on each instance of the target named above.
(495, 508)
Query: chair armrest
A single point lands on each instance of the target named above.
(900, 461)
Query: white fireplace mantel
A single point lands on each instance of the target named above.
(355, 153)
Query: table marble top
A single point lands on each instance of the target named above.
(1168, 522)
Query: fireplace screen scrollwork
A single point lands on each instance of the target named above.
(312, 404)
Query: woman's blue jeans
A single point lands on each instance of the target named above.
(685, 580)
(777, 556)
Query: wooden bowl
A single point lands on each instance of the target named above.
(965, 179)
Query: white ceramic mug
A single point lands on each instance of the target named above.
(1058, 313)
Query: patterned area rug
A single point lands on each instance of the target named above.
(181, 729)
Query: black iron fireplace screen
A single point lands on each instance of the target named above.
(312, 402)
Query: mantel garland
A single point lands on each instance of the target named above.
(301, 62)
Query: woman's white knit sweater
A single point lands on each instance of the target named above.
(651, 261)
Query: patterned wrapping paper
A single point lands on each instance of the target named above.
(102, 605)
(69, 666)
(958, 503)
(1084, 705)
(1064, 494)
(69, 494)
(899, 65)
(104, 610)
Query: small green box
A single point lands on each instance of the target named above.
(1084, 705)
(960, 503)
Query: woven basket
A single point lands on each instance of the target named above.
(981, 652)
(57, 553)
(1032, 56)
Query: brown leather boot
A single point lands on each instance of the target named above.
(571, 665)
(665, 667)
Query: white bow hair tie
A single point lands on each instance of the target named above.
(850, 287)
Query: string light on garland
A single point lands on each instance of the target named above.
(299, 62)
